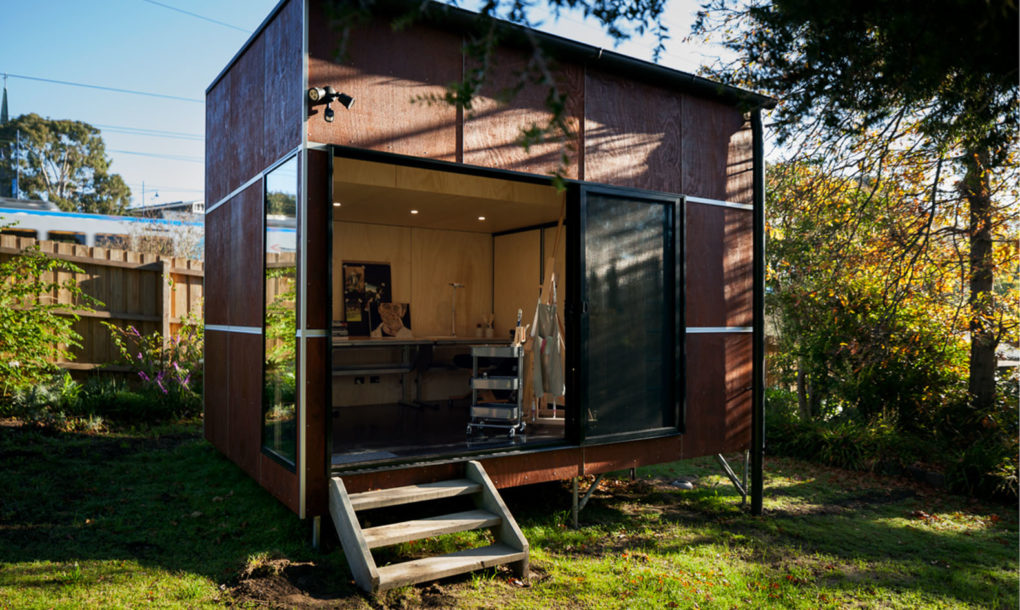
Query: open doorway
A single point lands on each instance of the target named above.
(431, 271)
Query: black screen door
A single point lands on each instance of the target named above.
(629, 323)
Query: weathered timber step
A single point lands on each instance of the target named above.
(510, 548)
(379, 498)
(405, 531)
(441, 566)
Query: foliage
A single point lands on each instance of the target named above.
(52, 404)
(281, 318)
(863, 319)
(167, 371)
(858, 83)
(36, 331)
(63, 162)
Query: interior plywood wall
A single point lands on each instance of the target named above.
(422, 262)
(518, 268)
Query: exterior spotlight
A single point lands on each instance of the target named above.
(345, 100)
(316, 93)
(327, 95)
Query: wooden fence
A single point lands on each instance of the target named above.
(147, 291)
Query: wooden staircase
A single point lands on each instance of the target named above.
(490, 512)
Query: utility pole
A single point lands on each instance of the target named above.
(16, 187)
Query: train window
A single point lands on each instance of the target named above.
(68, 237)
(21, 232)
(112, 240)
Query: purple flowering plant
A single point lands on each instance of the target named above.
(165, 367)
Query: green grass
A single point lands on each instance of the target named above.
(157, 517)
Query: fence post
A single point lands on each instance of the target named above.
(166, 300)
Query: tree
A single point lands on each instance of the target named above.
(862, 81)
(63, 162)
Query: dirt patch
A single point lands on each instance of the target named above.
(280, 583)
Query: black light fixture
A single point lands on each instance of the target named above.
(327, 95)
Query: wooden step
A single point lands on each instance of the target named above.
(417, 529)
(413, 493)
(432, 568)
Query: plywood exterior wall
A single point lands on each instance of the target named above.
(253, 119)
(627, 133)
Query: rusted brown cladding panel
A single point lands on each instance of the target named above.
(253, 112)
(718, 152)
(718, 275)
(633, 134)
(218, 242)
(492, 130)
(316, 241)
(718, 394)
(385, 70)
(216, 389)
(246, 257)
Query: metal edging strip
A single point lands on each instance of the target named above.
(722, 204)
(302, 398)
(251, 181)
(229, 328)
(707, 330)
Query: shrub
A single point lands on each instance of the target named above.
(167, 372)
(35, 331)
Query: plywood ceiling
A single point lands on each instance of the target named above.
(379, 193)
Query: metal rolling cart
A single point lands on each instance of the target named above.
(506, 415)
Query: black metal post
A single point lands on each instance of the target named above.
(758, 348)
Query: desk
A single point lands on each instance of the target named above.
(415, 355)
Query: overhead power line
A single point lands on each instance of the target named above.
(152, 133)
(197, 16)
(189, 159)
(102, 88)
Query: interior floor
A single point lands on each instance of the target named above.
(387, 431)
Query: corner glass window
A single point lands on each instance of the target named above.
(279, 420)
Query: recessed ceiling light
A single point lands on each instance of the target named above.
(336, 204)
(414, 211)
(481, 218)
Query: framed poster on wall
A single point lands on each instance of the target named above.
(365, 285)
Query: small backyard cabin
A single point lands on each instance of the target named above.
(375, 363)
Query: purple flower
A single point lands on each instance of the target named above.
(139, 355)
(159, 382)
(143, 375)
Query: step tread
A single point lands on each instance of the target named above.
(394, 496)
(416, 529)
(441, 566)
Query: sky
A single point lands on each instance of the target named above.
(175, 48)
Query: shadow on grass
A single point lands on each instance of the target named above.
(174, 503)
(169, 501)
(849, 536)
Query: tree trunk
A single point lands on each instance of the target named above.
(982, 334)
(802, 405)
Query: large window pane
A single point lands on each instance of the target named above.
(628, 328)
(279, 424)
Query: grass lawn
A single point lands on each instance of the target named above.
(158, 518)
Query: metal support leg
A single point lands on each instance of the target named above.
(316, 532)
(747, 465)
(741, 488)
(573, 506)
(578, 506)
